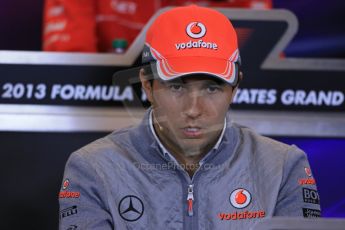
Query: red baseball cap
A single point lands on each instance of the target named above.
(192, 40)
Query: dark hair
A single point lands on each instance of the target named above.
(147, 70)
(149, 73)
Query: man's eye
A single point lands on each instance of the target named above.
(212, 89)
(175, 88)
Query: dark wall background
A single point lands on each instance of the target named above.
(21, 24)
(31, 171)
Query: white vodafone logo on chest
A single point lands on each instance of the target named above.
(240, 198)
(196, 30)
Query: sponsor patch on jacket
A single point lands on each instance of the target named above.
(68, 194)
(65, 184)
(131, 208)
(310, 196)
(240, 198)
(309, 180)
(311, 213)
(68, 211)
(242, 215)
(306, 181)
(307, 171)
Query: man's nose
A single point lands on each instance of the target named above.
(193, 104)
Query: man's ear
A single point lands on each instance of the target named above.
(234, 90)
(240, 78)
(146, 84)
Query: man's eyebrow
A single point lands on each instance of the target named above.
(215, 82)
(185, 81)
(174, 81)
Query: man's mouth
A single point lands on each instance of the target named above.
(192, 132)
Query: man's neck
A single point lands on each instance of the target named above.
(189, 162)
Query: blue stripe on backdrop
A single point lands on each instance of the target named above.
(319, 20)
(331, 45)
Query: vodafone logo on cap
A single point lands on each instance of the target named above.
(196, 30)
(240, 198)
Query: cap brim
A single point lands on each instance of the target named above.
(172, 68)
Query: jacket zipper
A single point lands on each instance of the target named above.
(190, 199)
(189, 218)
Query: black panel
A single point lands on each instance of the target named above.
(32, 166)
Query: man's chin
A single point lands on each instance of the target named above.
(191, 153)
(192, 149)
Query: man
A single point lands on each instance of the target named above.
(93, 26)
(186, 166)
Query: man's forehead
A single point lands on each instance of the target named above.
(197, 79)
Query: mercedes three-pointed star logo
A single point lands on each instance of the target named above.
(131, 208)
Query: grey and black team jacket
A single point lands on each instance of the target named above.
(123, 181)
